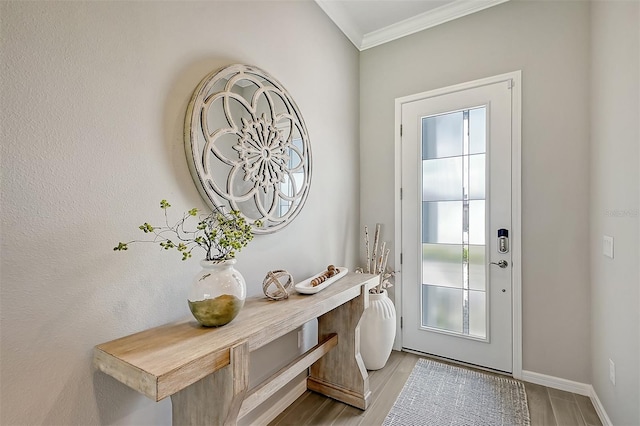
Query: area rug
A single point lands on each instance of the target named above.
(441, 395)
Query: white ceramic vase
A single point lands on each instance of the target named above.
(217, 293)
(377, 331)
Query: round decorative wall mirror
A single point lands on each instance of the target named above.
(247, 146)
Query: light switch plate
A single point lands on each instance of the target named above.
(607, 246)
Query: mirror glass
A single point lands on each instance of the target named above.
(248, 147)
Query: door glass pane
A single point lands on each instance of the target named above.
(477, 314)
(442, 264)
(476, 268)
(442, 135)
(477, 177)
(442, 179)
(477, 130)
(442, 308)
(453, 222)
(442, 222)
(476, 222)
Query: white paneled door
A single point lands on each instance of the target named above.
(456, 226)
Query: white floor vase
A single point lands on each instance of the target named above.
(377, 331)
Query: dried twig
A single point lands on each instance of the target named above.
(377, 260)
(384, 275)
(380, 265)
(376, 239)
(366, 243)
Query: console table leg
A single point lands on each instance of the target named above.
(208, 401)
(341, 374)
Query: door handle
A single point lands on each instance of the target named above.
(501, 263)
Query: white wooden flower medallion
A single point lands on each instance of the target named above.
(247, 146)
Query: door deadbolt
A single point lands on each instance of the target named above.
(503, 240)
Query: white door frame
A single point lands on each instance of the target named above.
(516, 202)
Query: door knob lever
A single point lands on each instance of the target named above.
(501, 263)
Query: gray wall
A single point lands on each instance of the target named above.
(615, 141)
(549, 42)
(93, 97)
(92, 104)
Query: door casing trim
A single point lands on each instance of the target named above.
(516, 202)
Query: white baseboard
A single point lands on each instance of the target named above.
(557, 383)
(604, 418)
(569, 386)
(281, 404)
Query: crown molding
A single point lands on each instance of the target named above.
(343, 20)
(431, 18)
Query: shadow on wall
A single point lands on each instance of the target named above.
(111, 398)
(119, 404)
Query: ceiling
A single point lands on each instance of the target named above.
(369, 23)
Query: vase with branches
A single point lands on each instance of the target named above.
(219, 290)
(378, 323)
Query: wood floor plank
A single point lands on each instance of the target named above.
(567, 412)
(540, 409)
(304, 411)
(327, 414)
(350, 416)
(289, 409)
(589, 413)
(376, 414)
(557, 393)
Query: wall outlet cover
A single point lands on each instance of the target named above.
(607, 246)
(612, 372)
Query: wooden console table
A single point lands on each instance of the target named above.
(205, 370)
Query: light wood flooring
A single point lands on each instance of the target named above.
(548, 407)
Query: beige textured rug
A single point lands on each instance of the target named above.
(442, 395)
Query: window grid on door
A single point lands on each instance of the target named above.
(453, 296)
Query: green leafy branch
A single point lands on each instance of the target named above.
(219, 234)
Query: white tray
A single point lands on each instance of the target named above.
(305, 286)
